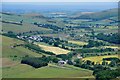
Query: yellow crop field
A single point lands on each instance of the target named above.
(114, 47)
(55, 50)
(98, 59)
(78, 42)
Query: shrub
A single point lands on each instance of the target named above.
(34, 62)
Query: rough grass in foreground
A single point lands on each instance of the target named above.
(25, 71)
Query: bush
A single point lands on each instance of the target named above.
(34, 62)
(107, 74)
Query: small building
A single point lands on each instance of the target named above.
(79, 56)
(61, 62)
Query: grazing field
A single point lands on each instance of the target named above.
(78, 42)
(55, 50)
(26, 27)
(25, 71)
(98, 59)
(6, 62)
(19, 51)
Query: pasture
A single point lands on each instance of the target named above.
(25, 71)
(18, 52)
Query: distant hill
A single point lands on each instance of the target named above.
(98, 15)
(34, 15)
(10, 22)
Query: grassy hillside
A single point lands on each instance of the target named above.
(20, 51)
(100, 15)
(13, 69)
(27, 23)
(25, 71)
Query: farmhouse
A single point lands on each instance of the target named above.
(61, 62)
(79, 56)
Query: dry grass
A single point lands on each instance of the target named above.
(114, 47)
(78, 42)
(6, 62)
(55, 50)
(98, 59)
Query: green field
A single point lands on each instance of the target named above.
(26, 27)
(25, 71)
(20, 51)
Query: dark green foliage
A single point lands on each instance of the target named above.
(56, 44)
(16, 23)
(92, 43)
(114, 61)
(63, 56)
(35, 62)
(88, 62)
(77, 61)
(112, 38)
(54, 27)
(104, 62)
(107, 74)
(87, 50)
(10, 34)
(70, 62)
(112, 58)
(39, 61)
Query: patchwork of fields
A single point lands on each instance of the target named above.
(44, 44)
(13, 68)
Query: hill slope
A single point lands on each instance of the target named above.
(99, 15)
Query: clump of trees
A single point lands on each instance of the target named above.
(87, 50)
(107, 74)
(65, 56)
(34, 62)
(10, 34)
(92, 43)
(112, 38)
(114, 61)
(38, 62)
(54, 27)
